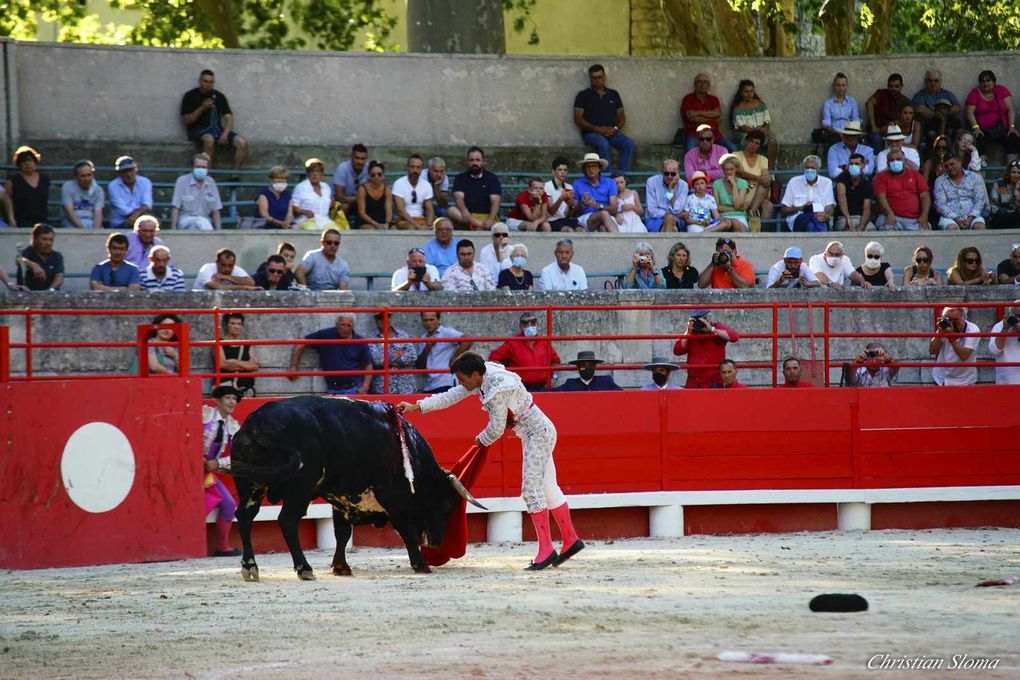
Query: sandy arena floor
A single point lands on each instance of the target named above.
(627, 609)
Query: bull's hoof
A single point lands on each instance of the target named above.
(250, 574)
(306, 574)
(342, 570)
(422, 569)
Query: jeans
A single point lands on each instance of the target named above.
(806, 221)
(623, 143)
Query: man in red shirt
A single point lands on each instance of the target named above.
(883, 108)
(527, 357)
(700, 107)
(731, 271)
(903, 196)
(791, 374)
(728, 375)
(704, 343)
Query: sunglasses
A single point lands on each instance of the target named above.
(670, 174)
(274, 271)
(331, 243)
(414, 196)
(500, 234)
(921, 260)
(533, 322)
(971, 260)
(706, 139)
(375, 174)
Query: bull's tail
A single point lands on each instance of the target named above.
(267, 473)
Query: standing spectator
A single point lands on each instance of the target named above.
(596, 195)
(839, 153)
(130, 193)
(733, 194)
(516, 277)
(1008, 270)
(223, 274)
(375, 200)
(895, 142)
(338, 357)
(235, 357)
(875, 272)
(274, 275)
(599, 115)
(83, 198)
(728, 376)
(705, 155)
(312, 199)
(159, 275)
(937, 109)
(838, 111)
(209, 120)
(854, 195)
(142, 239)
(527, 357)
(1005, 197)
(643, 274)
(496, 255)
(872, 368)
(531, 209)
(467, 275)
(1004, 345)
(808, 202)
(40, 267)
(440, 182)
(903, 197)
(665, 194)
(476, 193)
(662, 370)
(882, 107)
(218, 429)
(413, 197)
(349, 175)
(323, 268)
(699, 109)
(161, 359)
(115, 273)
(561, 203)
(727, 269)
(960, 196)
(628, 216)
(563, 274)
(968, 270)
(273, 202)
(792, 272)
(441, 251)
(417, 275)
(701, 212)
(992, 116)
(948, 347)
(399, 355)
(586, 380)
(833, 268)
(439, 352)
(704, 342)
(748, 113)
(678, 272)
(792, 373)
(196, 201)
(26, 191)
(922, 272)
(755, 169)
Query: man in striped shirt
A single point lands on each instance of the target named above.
(159, 275)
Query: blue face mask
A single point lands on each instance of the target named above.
(896, 166)
(519, 262)
(200, 173)
(530, 331)
(854, 170)
(810, 174)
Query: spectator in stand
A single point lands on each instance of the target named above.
(527, 357)
(599, 115)
(1004, 345)
(874, 272)
(749, 114)
(209, 120)
(1008, 270)
(375, 200)
(837, 112)
(223, 274)
(704, 342)
(323, 268)
(968, 270)
(903, 197)
(349, 175)
(665, 194)
(586, 380)
(732, 194)
(701, 212)
(755, 169)
(40, 267)
(854, 196)
(922, 272)
(439, 352)
(476, 194)
(894, 142)
(596, 195)
(909, 126)
(467, 275)
(273, 202)
(960, 196)
(662, 370)
(162, 359)
(678, 272)
(643, 274)
(400, 355)
(727, 269)
(285, 250)
(235, 357)
(968, 153)
(933, 168)
(561, 202)
(833, 268)
(274, 275)
(496, 255)
(130, 193)
(83, 198)
(142, 239)
(871, 368)
(936, 108)
(338, 357)
(562, 273)
(728, 376)
(628, 216)
(440, 182)
(839, 153)
(705, 155)
(27, 190)
(196, 201)
(516, 277)
(531, 209)
(312, 199)
(792, 374)
(413, 197)
(808, 203)
(698, 109)
(159, 275)
(218, 430)
(11, 285)
(883, 107)
(792, 272)
(442, 250)
(948, 347)
(115, 272)
(992, 116)
(1005, 199)
(417, 275)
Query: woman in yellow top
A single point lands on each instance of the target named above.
(755, 169)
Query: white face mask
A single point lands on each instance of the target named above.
(278, 187)
(873, 261)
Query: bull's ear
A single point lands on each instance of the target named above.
(464, 493)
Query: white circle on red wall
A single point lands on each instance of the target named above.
(98, 467)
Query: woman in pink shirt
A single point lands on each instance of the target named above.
(991, 115)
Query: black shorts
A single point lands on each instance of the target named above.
(558, 225)
(196, 136)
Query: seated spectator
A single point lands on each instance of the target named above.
(196, 201)
(439, 352)
(496, 255)
(903, 197)
(597, 197)
(643, 274)
(808, 202)
(441, 251)
(348, 176)
(223, 274)
(159, 275)
(969, 155)
(937, 109)
(837, 111)
(748, 113)
(792, 272)
(960, 196)
(699, 109)
(562, 273)
(933, 168)
(992, 116)
(727, 269)
(922, 272)
(728, 376)
(599, 115)
(413, 197)
(26, 191)
(883, 107)
(874, 272)
(1005, 198)
(1008, 271)
(527, 357)
(476, 194)
(665, 194)
(40, 267)
(1004, 345)
(833, 268)
(909, 127)
(678, 272)
(755, 169)
(586, 380)
(516, 277)
(274, 275)
(662, 370)
(11, 285)
(871, 368)
(416, 275)
(338, 357)
(849, 144)
(531, 209)
(312, 199)
(285, 250)
(701, 212)
(323, 268)
(209, 120)
(792, 374)
(83, 198)
(235, 357)
(393, 355)
(375, 200)
(467, 275)
(968, 270)
(733, 194)
(705, 155)
(162, 359)
(704, 342)
(561, 203)
(115, 272)
(629, 208)
(273, 202)
(854, 196)
(894, 142)
(130, 193)
(949, 348)
(440, 182)
(142, 239)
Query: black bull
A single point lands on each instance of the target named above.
(348, 453)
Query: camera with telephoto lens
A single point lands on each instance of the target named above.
(871, 354)
(945, 323)
(721, 259)
(1011, 320)
(701, 325)
(419, 272)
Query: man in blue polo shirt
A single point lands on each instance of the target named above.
(115, 273)
(441, 252)
(338, 357)
(476, 195)
(599, 114)
(595, 195)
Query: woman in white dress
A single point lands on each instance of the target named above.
(629, 209)
(312, 199)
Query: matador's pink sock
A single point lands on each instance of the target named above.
(562, 517)
(542, 531)
(223, 532)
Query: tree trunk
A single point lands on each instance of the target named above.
(737, 31)
(220, 16)
(697, 28)
(456, 26)
(837, 20)
(784, 42)
(879, 38)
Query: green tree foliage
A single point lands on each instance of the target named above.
(956, 26)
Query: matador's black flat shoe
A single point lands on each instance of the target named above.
(547, 562)
(577, 547)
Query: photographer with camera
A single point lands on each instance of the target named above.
(871, 368)
(948, 347)
(416, 275)
(643, 273)
(1005, 346)
(791, 272)
(727, 269)
(704, 343)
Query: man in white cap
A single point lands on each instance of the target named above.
(808, 202)
(894, 140)
(130, 193)
(596, 195)
(791, 272)
(833, 268)
(662, 369)
(839, 153)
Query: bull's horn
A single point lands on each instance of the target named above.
(464, 493)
